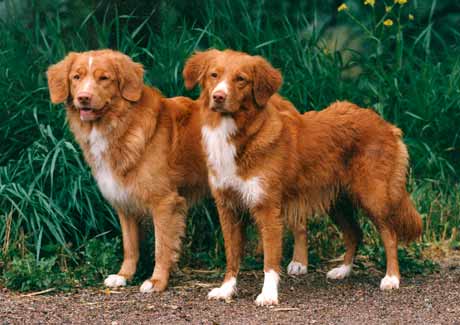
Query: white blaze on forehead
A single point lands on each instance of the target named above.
(90, 63)
(89, 81)
(221, 86)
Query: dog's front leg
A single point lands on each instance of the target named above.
(130, 233)
(269, 221)
(231, 225)
(169, 215)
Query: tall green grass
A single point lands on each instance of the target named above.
(48, 200)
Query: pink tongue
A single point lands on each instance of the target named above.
(86, 113)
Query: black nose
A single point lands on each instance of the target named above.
(219, 97)
(84, 98)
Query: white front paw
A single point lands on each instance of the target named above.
(146, 287)
(269, 294)
(340, 272)
(296, 268)
(115, 280)
(389, 282)
(225, 291)
(267, 298)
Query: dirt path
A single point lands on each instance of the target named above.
(311, 299)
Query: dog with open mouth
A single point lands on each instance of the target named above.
(283, 166)
(143, 149)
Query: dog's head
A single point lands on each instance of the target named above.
(94, 81)
(232, 81)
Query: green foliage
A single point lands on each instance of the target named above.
(98, 259)
(49, 203)
(86, 266)
(411, 259)
(25, 273)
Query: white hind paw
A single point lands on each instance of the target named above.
(389, 282)
(115, 280)
(146, 287)
(296, 268)
(340, 272)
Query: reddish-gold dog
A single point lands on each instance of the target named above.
(144, 151)
(280, 164)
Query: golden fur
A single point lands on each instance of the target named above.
(335, 160)
(143, 149)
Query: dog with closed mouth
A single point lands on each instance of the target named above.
(283, 166)
(143, 149)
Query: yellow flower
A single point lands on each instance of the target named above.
(369, 2)
(342, 7)
(388, 8)
(388, 22)
(401, 2)
(411, 17)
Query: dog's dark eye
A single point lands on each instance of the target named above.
(213, 75)
(76, 77)
(240, 78)
(102, 78)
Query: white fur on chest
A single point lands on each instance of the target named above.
(110, 188)
(221, 158)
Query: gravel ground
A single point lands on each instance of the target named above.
(310, 299)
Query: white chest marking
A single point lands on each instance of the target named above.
(221, 158)
(108, 185)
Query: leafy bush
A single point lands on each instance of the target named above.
(26, 273)
(88, 265)
(99, 259)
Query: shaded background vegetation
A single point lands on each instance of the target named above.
(53, 219)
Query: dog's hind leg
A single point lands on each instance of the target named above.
(130, 233)
(169, 215)
(374, 199)
(379, 187)
(390, 242)
(343, 216)
(396, 220)
(299, 262)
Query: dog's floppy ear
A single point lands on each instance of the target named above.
(196, 67)
(130, 77)
(267, 81)
(58, 78)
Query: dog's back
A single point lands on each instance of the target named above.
(353, 151)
